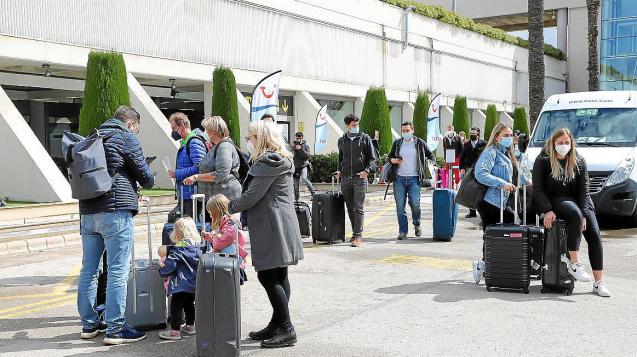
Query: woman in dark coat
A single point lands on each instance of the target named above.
(275, 238)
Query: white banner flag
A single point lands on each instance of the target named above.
(265, 97)
(320, 131)
(433, 124)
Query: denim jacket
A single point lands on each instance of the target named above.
(494, 169)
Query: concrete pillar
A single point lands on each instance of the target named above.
(207, 98)
(307, 107)
(506, 118)
(562, 29)
(244, 118)
(31, 174)
(358, 106)
(478, 120)
(154, 133)
(446, 118)
(39, 120)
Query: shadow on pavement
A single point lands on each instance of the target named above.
(461, 290)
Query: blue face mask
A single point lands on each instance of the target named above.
(354, 130)
(408, 136)
(175, 135)
(506, 142)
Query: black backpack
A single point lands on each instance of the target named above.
(244, 160)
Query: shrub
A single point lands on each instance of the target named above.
(323, 166)
(375, 116)
(491, 121)
(105, 89)
(421, 109)
(461, 120)
(519, 120)
(224, 101)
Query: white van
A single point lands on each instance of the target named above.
(605, 128)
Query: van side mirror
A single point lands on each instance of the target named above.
(523, 142)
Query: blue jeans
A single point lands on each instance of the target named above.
(405, 187)
(113, 231)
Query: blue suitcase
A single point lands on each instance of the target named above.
(445, 214)
(199, 219)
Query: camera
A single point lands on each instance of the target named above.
(299, 142)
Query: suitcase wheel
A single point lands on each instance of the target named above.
(488, 288)
(526, 291)
(569, 292)
(314, 241)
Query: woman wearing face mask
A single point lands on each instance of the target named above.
(560, 185)
(494, 169)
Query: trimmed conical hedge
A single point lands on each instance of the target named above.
(421, 109)
(519, 120)
(375, 116)
(461, 121)
(105, 89)
(491, 121)
(224, 101)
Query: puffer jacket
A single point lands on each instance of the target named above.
(181, 268)
(124, 156)
(189, 165)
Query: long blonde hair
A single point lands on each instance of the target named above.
(184, 228)
(557, 171)
(217, 206)
(268, 139)
(492, 141)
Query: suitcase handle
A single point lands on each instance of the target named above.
(201, 214)
(502, 205)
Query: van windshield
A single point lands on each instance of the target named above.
(590, 127)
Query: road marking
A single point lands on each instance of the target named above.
(68, 299)
(68, 280)
(429, 262)
(34, 304)
(30, 296)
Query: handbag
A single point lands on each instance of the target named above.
(471, 192)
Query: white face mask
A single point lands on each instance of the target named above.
(563, 149)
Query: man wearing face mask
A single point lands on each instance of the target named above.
(451, 141)
(356, 160)
(409, 155)
(470, 153)
(191, 151)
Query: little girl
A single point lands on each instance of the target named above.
(180, 266)
(225, 230)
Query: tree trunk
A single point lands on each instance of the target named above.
(593, 55)
(536, 59)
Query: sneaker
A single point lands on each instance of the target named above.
(578, 271)
(88, 333)
(357, 242)
(417, 231)
(188, 329)
(600, 289)
(402, 236)
(170, 334)
(125, 335)
(478, 270)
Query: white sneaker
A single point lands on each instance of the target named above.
(578, 271)
(478, 270)
(600, 289)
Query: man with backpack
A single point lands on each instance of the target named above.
(106, 223)
(191, 151)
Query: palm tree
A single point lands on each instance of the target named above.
(536, 59)
(593, 56)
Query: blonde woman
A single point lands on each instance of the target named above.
(494, 169)
(560, 185)
(275, 239)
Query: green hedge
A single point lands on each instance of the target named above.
(421, 109)
(461, 121)
(224, 101)
(323, 167)
(491, 121)
(443, 15)
(375, 116)
(105, 89)
(519, 120)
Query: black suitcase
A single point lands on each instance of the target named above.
(328, 220)
(304, 216)
(555, 276)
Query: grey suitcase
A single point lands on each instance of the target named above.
(146, 297)
(218, 305)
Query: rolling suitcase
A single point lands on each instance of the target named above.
(445, 213)
(328, 220)
(146, 296)
(304, 216)
(199, 220)
(218, 304)
(555, 275)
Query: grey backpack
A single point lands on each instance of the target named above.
(86, 159)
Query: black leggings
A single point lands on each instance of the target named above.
(276, 285)
(181, 303)
(568, 210)
(490, 214)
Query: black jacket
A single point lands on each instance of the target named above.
(356, 155)
(423, 154)
(124, 156)
(470, 154)
(301, 156)
(545, 187)
(454, 143)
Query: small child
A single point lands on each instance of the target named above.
(225, 231)
(180, 266)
